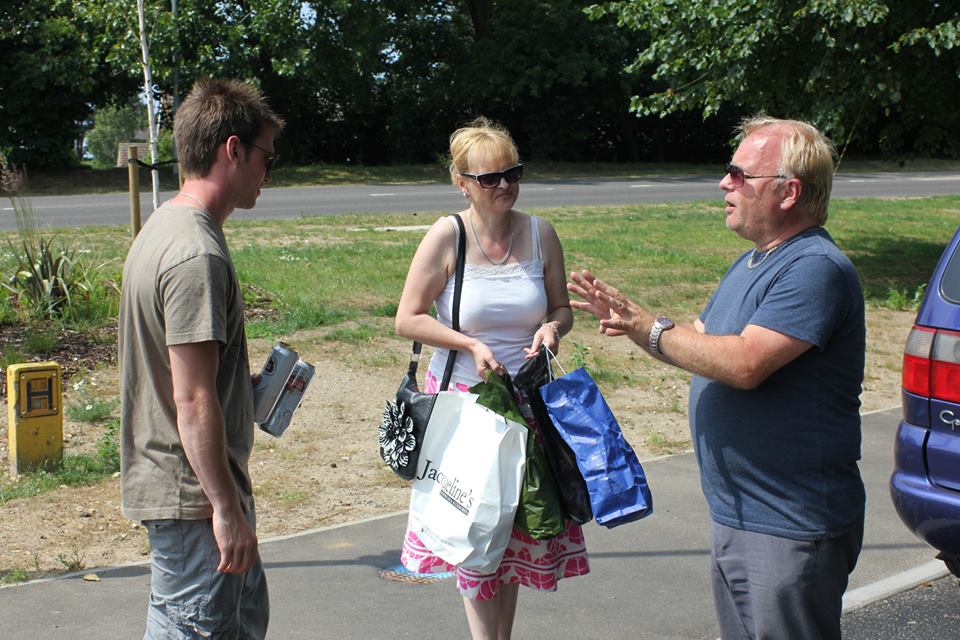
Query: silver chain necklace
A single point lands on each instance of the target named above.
(753, 263)
(203, 207)
(480, 246)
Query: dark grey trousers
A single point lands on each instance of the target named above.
(771, 588)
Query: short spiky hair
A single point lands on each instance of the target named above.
(215, 110)
(806, 154)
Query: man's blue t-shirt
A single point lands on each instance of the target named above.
(781, 459)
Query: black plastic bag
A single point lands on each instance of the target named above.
(574, 497)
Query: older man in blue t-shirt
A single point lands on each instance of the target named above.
(777, 357)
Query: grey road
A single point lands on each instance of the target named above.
(926, 612)
(114, 209)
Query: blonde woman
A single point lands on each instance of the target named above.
(514, 300)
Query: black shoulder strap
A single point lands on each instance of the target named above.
(457, 290)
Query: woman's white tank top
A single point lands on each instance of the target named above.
(500, 305)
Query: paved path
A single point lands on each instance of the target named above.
(648, 580)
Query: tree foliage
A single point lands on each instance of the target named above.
(112, 126)
(381, 81)
(40, 108)
(880, 73)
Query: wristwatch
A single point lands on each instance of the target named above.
(661, 324)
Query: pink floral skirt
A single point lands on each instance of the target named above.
(533, 563)
(537, 564)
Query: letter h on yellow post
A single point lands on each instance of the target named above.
(35, 417)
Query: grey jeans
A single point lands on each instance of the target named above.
(766, 587)
(189, 599)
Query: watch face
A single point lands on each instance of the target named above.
(665, 322)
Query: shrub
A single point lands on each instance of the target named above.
(46, 279)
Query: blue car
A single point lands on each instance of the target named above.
(925, 486)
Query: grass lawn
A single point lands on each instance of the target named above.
(669, 256)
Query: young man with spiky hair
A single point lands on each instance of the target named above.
(185, 384)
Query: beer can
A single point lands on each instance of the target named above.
(276, 370)
(289, 399)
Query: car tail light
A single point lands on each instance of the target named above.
(931, 364)
(945, 376)
(916, 361)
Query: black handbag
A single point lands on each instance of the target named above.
(562, 462)
(405, 420)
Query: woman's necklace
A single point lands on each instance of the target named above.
(203, 207)
(480, 246)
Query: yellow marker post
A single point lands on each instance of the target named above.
(34, 417)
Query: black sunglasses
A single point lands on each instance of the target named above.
(491, 180)
(738, 175)
(269, 159)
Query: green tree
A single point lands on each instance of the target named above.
(43, 88)
(553, 77)
(318, 62)
(374, 81)
(51, 76)
(880, 73)
(570, 88)
(113, 125)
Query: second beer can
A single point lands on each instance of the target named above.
(289, 399)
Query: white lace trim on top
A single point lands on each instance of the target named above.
(526, 267)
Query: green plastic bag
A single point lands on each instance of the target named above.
(539, 513)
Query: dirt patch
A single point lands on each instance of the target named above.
(325, 469)
(74, 351)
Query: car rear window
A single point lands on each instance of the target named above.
(950, 285)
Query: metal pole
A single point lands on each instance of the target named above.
(133, 172)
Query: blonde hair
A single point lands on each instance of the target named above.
(215, 110)
(806, 154)
(480, 140)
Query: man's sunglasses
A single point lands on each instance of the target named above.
(738, 175)
(269, 159)
(492, 180)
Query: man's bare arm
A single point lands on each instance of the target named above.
(202, 434)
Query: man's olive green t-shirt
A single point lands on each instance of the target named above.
(179, 287)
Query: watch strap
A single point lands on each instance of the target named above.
(660, 325)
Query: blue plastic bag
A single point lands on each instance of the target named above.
(616, 482)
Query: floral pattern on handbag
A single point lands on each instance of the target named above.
(396, 435)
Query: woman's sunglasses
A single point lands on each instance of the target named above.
(738, 175)
(492, 180)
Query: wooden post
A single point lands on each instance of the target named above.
(134, 179)
(180, 174)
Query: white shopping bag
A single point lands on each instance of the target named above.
(467, 486)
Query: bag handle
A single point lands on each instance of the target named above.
(457, 290)
(550, 354)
